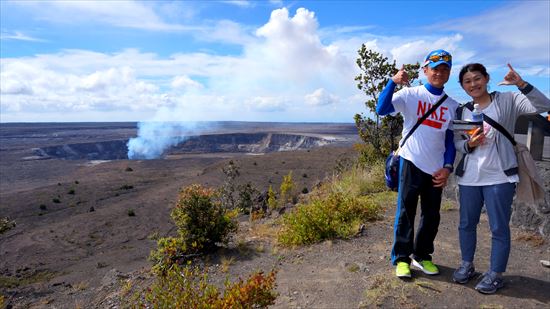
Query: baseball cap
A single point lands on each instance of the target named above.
(437, 57)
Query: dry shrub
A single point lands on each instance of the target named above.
(188, 287)
(536, 240)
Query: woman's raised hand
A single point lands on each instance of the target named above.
(512, 78)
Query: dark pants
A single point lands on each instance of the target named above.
(414, 183)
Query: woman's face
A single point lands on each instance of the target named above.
(475, 84)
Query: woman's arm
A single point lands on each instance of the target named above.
(530, 100)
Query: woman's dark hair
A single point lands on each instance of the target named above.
(472, 67)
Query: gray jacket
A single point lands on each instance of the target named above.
(509, 106)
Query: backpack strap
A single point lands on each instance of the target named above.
(500, 128)
(460, 109)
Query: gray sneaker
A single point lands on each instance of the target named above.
(464, 273)
(490, 283)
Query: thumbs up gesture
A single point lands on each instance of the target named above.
(401, 77)
(512, 78)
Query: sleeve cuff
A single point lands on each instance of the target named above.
(525, 90)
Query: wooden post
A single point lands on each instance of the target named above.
(535, 141)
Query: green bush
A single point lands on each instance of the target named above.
(6, 224)
(286, 189)
(271, 199)
(202, 224)
(338, 207)
(338, 215)
(201, 220)
(361, 180)
(368, 154)
(170, 250)
(188, 287)
(246, 196)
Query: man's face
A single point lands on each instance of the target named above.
(437, 76)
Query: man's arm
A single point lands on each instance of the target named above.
(384, 106)
(440, 176)
(450, 150)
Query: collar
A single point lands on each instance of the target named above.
(433, 90)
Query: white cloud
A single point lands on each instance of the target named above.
(11, 86)
(266, 104)
(225, 31)
(37, 87)
(130, 14)
(280, 62)
(240, 3)
(320, 97)
(518, 32)
(184, 82)
(19, 36)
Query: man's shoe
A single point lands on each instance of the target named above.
(426, 266)
(464, 273)
(490, 283)
(403, 270)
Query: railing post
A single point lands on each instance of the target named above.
(535, 141)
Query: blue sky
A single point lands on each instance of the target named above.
(243, 60)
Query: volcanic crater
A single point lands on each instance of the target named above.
(254, 143)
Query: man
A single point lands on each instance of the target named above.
(427, 159)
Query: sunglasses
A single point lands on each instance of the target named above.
(444, 57)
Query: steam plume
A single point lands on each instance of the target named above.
(155, 137)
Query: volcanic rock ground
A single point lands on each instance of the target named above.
(82, 251)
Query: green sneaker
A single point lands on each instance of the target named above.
(403, 270)
(426, 266)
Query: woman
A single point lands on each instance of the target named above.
(488, 171)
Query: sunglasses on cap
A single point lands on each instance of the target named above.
(443, 56)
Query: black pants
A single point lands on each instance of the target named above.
(414, 183)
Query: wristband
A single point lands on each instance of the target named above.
(449, 167)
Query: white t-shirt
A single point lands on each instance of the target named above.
(483, 167)
(426, 146)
